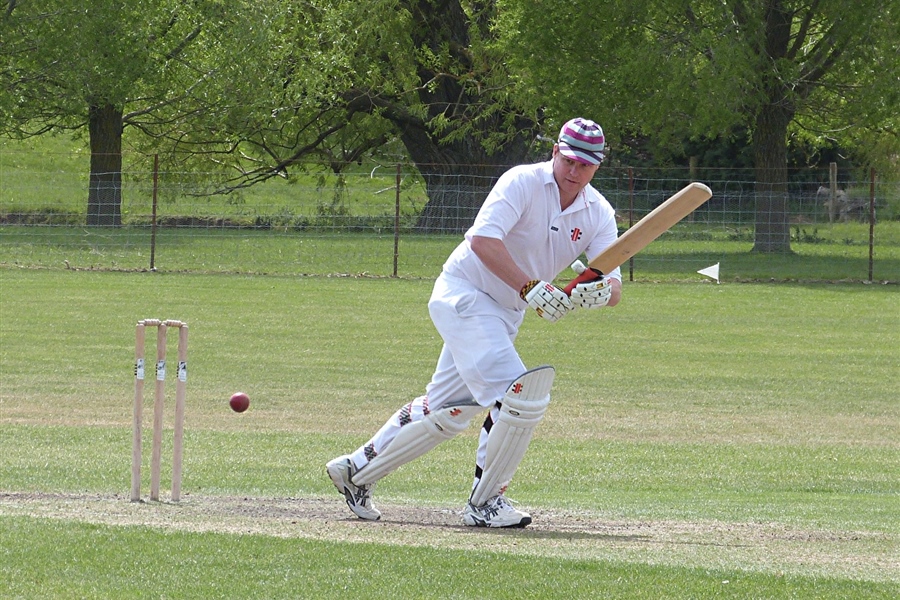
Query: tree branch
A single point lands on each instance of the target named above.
(184, 43)
(803, 30)
(822, 57)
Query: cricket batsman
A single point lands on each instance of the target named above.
(536, 221)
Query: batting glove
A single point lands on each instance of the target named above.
(585, 275)
(593, 294)
(546, 299)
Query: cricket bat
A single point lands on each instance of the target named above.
(639, 235)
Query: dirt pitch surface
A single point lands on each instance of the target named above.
(762, 547)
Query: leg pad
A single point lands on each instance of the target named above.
(417, 438)
(522, 409)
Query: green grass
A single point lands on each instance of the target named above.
(142, 563)
(216, 250)
(49, 174)
(704, 441)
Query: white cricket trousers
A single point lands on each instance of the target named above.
(477, 362)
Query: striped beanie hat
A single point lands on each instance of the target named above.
(582, 140)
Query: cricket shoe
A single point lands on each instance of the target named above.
(359, 497)
(496, 512)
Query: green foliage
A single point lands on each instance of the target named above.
(172, 68)
(675, 70)
(93, 54)
(801, 235)
(256, 85)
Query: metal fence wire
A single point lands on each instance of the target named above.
(381, 220)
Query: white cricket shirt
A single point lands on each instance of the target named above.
(523, 210)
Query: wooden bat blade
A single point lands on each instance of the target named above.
(654, 224)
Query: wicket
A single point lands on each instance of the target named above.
(180, 391)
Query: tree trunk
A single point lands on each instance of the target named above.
(773, 234)
(458, 176)
(459, 171)
(453, 201)
(105, 187)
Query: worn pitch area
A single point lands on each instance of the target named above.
(761, 547)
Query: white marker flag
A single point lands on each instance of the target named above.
(712, 272)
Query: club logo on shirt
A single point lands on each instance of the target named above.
(576, 234)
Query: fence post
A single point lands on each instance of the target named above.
(832, 192)
(630, 217)
(871, 224)
(693, 163)
(153, 213)
(397, 223)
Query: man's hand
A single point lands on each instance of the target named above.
(549, 301)
(593, 294)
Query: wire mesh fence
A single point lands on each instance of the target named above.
(394, 220)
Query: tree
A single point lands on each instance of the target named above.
(682, 68)
(351, 76)
(462, 130)
(256, 88)
(260, 87)
(105, 65)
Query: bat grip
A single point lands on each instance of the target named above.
(587, 276)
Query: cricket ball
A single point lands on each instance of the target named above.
(239, 402)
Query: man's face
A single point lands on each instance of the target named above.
(571, 176)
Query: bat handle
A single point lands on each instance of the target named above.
(586, 276)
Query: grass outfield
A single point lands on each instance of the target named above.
(733, 441)
(249, 252)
